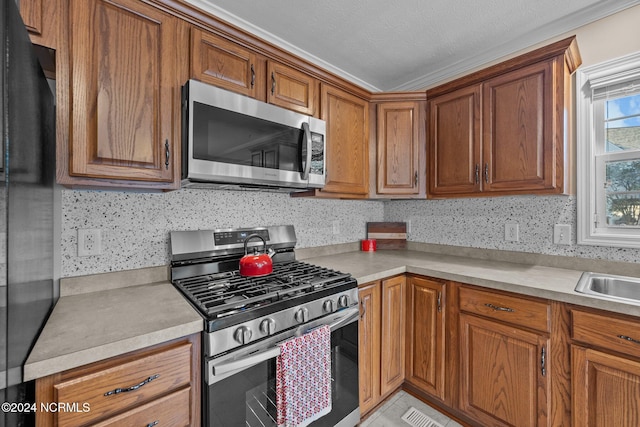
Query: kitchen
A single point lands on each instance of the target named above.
(135, 226)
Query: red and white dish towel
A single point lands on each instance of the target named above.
(303, 378)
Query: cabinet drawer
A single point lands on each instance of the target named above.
(171, 410)
(512, 309)
(117, 388)
(606, 332)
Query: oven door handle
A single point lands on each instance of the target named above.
(220, 370)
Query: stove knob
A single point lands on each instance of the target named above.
(302, 315)
(327, 306)
(242, 335)
(268, 326)
(343, 301)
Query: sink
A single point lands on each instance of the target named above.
(611, 287)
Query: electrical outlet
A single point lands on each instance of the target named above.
(89, 241)
(562, 234)
(336, 226)
(511, 232)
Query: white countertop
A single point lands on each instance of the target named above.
(88, 327)
(544, 282)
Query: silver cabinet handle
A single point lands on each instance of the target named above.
(253, 76)
(133, 387)
(486, 173)
(627, 338)
(273, 83)
(415, 179)
(166, 153)
(477, 173)
(497, 308)
(543, 362)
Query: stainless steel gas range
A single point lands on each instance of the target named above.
(246, 319)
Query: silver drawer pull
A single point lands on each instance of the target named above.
(133, 387)
(155, 423)
(626, 338)
(496, 308)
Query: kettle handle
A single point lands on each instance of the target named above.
(252, 236)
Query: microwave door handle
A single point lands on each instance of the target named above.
(307, 134)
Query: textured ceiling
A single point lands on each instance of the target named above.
(387, 45)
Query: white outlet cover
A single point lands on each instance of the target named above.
(562, 234)
(89, 241)
(511, 232)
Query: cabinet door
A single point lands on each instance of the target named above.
(347, 118)
(369, 346)
(124, 92)
(392, 360)
(426, 354)
(398, 147)
(222, 63)
(503, 374)
(454, 142)
(31, 12)
(291, 89)
(606, 389)
(518, 130)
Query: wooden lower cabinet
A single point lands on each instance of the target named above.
(496, 358)
(605, 359)
(381, 340)
(503, 373)
(425, 345)
(369, 346)
(159, 385)
(504, 358)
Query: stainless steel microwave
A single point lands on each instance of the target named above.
(231, 139)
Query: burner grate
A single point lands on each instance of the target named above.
(222, 294)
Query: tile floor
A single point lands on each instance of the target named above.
(391, 412)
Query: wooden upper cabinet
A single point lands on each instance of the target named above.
(398, 148)
(41, 18)
(521, 106)
(124, 94)
(292, 89)
(454, 142)
(223, 63)
(518, 130)
(347, 118)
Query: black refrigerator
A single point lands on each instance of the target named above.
(27, 169)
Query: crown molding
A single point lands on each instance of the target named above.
(529, 40)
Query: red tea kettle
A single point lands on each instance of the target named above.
(256, 264)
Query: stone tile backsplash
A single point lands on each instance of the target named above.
(135, 226)
(480, 223)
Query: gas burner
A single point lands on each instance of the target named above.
(206, 271)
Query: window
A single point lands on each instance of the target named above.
(608, 149)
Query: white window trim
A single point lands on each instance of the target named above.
(606, 73)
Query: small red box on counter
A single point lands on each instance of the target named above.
(369, 245)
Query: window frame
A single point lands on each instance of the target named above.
(590, 161)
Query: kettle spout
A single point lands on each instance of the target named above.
(271, 252)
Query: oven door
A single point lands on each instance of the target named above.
(239, 388)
